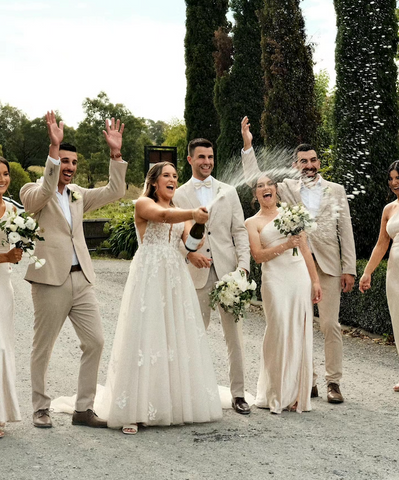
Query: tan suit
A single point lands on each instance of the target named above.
(58, 293)
(226, 242)
(333, 247)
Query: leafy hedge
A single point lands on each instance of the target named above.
(122, 241)
(369, 310)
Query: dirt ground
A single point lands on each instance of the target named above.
(358, 439)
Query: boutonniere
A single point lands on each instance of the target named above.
(75, 196)
(327, 191)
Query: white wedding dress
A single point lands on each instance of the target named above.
(9, 409)
(286, 356)
(160, 372)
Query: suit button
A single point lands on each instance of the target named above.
(209, 233)
(208, 250)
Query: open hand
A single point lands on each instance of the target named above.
(55, 132)
(113, 134)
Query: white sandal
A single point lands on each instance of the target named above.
(2, 425)
(396, 388)
(131, 429)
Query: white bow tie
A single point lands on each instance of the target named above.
(205, 183)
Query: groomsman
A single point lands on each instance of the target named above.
(226, 247)
(64, 285)
(332, 245)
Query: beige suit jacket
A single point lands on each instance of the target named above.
(226, 238)
(332, 243)
(57, 248)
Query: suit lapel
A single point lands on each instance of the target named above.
(191, 195)
(325, 197)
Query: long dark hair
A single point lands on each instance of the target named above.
(153, 174)
(5, 162)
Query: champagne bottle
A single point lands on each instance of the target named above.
(195, 236)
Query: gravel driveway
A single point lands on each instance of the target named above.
(358, 439)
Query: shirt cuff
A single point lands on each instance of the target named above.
(56, 162)
(245, 152)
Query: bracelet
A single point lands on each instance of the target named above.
(116, 155)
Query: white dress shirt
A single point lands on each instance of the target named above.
(204, 194)
(311, 195)
(63, 200)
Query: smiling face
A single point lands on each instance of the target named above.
(4, 179)
(201, 162)
(69, 164)
(308, 164)
(166, 183)
(266, 192)
(393, 182)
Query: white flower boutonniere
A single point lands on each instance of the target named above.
(327, 190)
(75, 196)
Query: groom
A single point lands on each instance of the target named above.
(64, 285)
(226, 247)
(332, 245)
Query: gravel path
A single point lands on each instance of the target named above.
(356, 440)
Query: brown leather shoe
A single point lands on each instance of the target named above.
(334, 393)
(88, 419)
(314, 392)
(41, 418)
(241, 406)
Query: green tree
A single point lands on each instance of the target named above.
(290, 115)
(156, 131)
(18, 178)
(203, 18)
(239, 89)
(366, 110)
(175, 136)
(91, 144)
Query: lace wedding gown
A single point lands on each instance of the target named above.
(160, 372)
(9, 409)
(393, 275)
(286, 356)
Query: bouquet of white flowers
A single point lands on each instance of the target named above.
(233, 292)
(22, 231)
(294, 219)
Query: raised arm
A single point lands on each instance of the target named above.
(249, 162)
(146, 209)
(378, 252)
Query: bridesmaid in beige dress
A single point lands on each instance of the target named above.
(389, 231)
(9, 409)
(289, 284)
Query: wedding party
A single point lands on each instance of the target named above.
(199, 240)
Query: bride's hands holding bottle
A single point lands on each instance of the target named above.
(200, 215)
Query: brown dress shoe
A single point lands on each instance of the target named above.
(334, 393)
(41, 418)
(240, 406)
(88, 419)
(314, 392)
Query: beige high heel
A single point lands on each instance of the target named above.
(131, 429)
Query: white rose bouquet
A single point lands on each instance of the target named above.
(293, 220)
(22, 231)
(233, 292)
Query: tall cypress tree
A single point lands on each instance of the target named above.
(203, 18)
(366, 110)
(290, 115)
(239, 85)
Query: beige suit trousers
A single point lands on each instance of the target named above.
(52, 304)
(329, 325)
(232, 334)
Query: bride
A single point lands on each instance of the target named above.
(289, 284)
(160, 372)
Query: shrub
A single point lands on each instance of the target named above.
(122, 241)
(18, 179)
(369, 310)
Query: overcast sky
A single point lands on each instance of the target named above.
(55, 53)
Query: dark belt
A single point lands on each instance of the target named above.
(75, 268)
